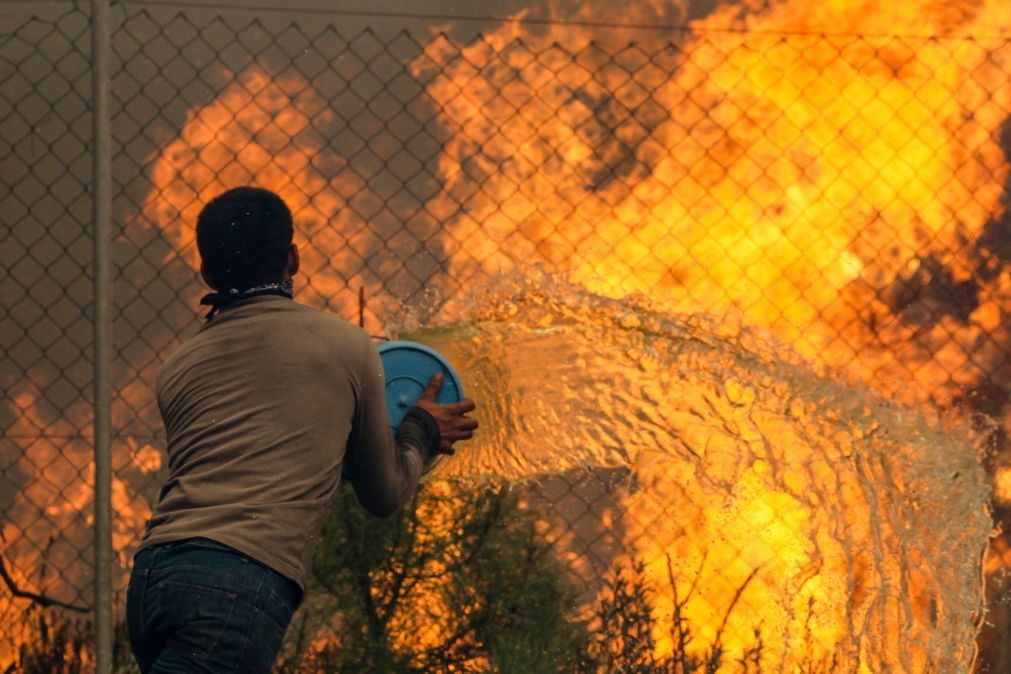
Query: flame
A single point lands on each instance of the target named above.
(792, 504)
(815, 185)
(772, 175)
(47, 538)
(265, 130)
(796, 176)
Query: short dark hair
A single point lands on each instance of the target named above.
(243, 236)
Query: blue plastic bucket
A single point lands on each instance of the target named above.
(408, 367)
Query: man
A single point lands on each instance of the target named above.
(264, 408)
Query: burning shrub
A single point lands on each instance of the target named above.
(463, 581)
(460, 581)
(58, 646)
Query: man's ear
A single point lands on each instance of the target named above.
(206, 276)
(293, 261)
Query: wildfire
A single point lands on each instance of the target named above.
(812, 169)
(264, 130)
(47, 534)
(763, 499)
(823, 186)
(827, 187)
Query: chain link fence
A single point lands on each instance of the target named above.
(659, 212)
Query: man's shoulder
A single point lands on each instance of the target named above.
(335, 344)
(301, 327)
(325, 324)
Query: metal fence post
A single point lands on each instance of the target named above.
(103, 334)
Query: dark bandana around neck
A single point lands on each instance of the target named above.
(226, 298)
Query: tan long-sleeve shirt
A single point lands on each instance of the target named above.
(262, 409)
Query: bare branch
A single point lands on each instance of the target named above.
(718, 643)
(40, 599)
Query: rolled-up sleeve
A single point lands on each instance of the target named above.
(384, 470)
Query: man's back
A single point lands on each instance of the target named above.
(258, 408)
(265, 408)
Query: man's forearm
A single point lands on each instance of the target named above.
(384, 469)
(420, 429)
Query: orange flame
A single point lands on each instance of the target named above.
(773, 175)
(54, 448)
(263, 131)
(813, 185)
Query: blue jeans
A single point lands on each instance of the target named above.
(200, 606)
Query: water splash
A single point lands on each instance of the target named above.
(854, 526)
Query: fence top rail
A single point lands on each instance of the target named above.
(696, 28)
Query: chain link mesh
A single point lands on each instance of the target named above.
(45, 368)
(787, 181)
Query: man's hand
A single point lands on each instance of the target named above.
(453, 423)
